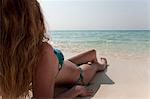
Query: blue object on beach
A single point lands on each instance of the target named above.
(59, 55)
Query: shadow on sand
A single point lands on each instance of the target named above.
(99, 79)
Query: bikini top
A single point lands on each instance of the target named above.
(59, 56)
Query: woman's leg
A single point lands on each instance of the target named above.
(70, 73)
(89, 72)
(83, 58)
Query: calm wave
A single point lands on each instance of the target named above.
(120, 43)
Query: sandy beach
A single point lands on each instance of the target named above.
(124, 79)
(130, 77)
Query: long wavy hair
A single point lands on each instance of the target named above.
(21, 35)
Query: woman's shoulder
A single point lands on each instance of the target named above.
(47, 57)
(47, 53)
(46, 47)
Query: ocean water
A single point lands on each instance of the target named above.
(125, 44)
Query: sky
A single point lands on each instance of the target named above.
(96, 14)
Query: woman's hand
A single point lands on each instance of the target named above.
(75, 91)
(83, 91)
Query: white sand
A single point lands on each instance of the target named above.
(131, 78)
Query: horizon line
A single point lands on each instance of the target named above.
(100, 30)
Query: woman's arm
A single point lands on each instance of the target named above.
(45, 73)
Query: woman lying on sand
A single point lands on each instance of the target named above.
(25, 60)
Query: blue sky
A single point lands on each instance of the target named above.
(96, 14)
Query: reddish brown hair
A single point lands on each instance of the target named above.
(21, 34)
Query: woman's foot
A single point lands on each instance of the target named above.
(102, 64)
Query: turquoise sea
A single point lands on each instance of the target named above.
(115, 43)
